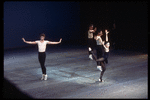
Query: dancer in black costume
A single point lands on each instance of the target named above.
(99, 48)
(103, 59)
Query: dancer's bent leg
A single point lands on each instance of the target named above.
(93, 55)
(105, 58)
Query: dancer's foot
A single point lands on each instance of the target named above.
(90, 56)
(45, 78)
(99, 67)
(100, 80)
(90, 49)
(42, 77)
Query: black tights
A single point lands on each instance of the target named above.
(102, 64)
(100, 53)
(42, 56)
(90, 45)
(103, 69)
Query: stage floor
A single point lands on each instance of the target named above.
(71, 74)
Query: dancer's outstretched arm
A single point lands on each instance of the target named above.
(28, 42)
(55, 42)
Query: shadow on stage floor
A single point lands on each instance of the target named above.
(10, 91)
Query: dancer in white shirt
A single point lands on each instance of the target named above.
(91, 40)
(41, 52)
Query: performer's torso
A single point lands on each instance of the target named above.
(97, 41)
(90, 34)
(41, 45)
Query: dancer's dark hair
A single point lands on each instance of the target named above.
(106, 42)
(99, 30)
(42, 35)
(91, 25)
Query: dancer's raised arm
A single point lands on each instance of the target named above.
(28, 42)
(106, 31)
(55, 42)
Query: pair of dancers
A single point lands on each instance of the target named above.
(102, 49)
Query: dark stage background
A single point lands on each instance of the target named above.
(30, 19)
(70, 20)
(131, 20)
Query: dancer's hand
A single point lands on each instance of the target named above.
(106, 31)
(95, 28)
(60, 40)
(23, 40)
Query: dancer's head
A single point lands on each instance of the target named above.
(107, 44)
(100, 33)
(91, 27)
(42, 36)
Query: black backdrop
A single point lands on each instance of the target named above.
(70, 20)
(131, 20)
(30, 19)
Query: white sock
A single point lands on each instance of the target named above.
(90, 56)
(99, 67)
(45, 78)
(42, 77)
(90, 49)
